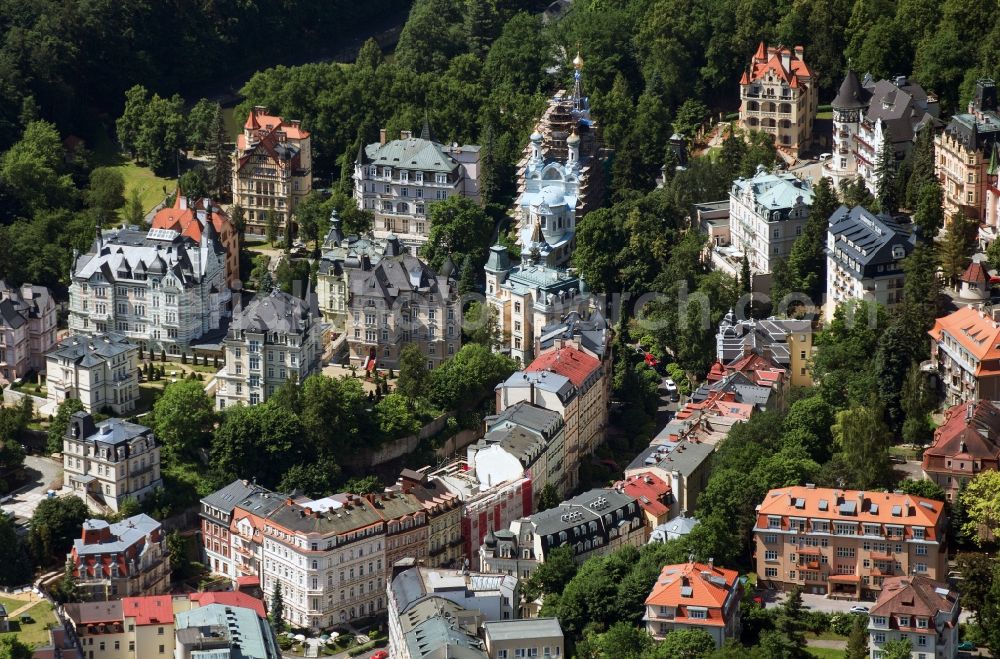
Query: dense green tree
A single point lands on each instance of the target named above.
(395, 417)
(12, 648)
(691, 115)
(15, 564)
(201, 125)
(790, 623)
(314, 478)
(33, 170)
(895, 355)
(921, 286)
(885, 176)
(54, 525)
(276, 614)
(194, 183)
(463, 381)
(921, 165)
(60, 424)
(467, 277)
(183, 418)
(897, 649)
(130, 123)
(613, 110)
(180, 562)
(862, 442)
(413, 374)
(106, 191)
(334, 415)
(977, 572)
(929, 215)
(365, 485)
(161, 133)
(917, 402)
(683, 644)
(548, 497)
(518, 58)
(552, 575)
(807, 260)
(981, 498)
(955, 249)
(460, 228)
(262, 441)
(921, 488)
(623, 640)
(312, 216)
(134, 210)
(857, 641)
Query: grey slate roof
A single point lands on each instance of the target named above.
(437, 638)
(110, 432)
(275, 311)
(852, 96)
(523, 444)
(592, 332)
(124, 534)
(217, 630)
(12, 318)
(413, 153)
(685, 457)
(394, 275)
(91, 350)
(901, 105)
(536, 418)
(592, 505)
(228, 497)
(527, 628)
(865, 241)
(552, 382)
(768, 336)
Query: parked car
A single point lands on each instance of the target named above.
(671, 388)
(381, 654)
(859, 609)
(967, 646)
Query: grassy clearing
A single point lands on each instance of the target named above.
(825, 636)
(36, 633)
(825, 653)
(150, 186)
(11, 604)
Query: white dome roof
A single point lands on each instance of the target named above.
(553, 196)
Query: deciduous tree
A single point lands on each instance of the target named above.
(981, 498)
(183, 418)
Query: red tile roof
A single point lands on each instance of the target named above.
(653, 493)
(182, 217)
(568, 361)
(770, 58)
(693, 584)
(914, 595)
(229, 598)
(971, 430)
(260, 120)
(976, 274)
(975, 330)
(149, 610)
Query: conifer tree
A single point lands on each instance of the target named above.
(857, 642)
(921, 165)
(955, 249)
(277, 608)
(885, 176)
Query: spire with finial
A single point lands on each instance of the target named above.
(579, 102)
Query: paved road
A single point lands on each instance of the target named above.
(44, 472)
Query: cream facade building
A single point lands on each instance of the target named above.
(779, 95)
(101, 371)
(110, 461)
(272, 170)
(275, 338)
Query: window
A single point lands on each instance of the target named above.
(697, 613)
(771, 572)
(770, 555)
(904, 621)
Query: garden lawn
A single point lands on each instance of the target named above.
(36, 633)
(150, 185)
(825, 653)
(11, 604)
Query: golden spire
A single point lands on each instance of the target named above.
(578, 61)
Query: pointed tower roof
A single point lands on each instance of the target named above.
(425, 132)
(252, 121)
(761, 53)
(447, 268)
(499, 260)
(852, 95)
(362, 158)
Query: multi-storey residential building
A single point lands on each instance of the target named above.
(437, 627)
(341, 253)
(653, 494)
(594, 523)
(246, 532)
(27, 329)
(851, 100)
(529, 297)
(964, 348)
(864, 258)
(989, 227)
(190, 217)
(779, 95)
(534, 637)
(767, 212)
(573, 383)
(272, 170)
(444, 517)
(158, 288)
(684, 465)
(225, 625)
(689, 596)
(522, 438)
(273, 339)
(216, 514)
(485, 508)
(128, 558)
(896, 109)
(963, 151)
(398, 181)
(406, 529)
(788, 341)
(101, 371)
(919, 610)
(966, 444)
(110, 461)
(845, 543)
(495, 597)
(399, 301)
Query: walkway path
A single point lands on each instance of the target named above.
(832, 644)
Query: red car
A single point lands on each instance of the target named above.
(651, 361)
(381, 654)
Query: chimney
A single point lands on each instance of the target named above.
(711, 563)
(405, 134)
(381, 136)
(786, 59)
(799, 52)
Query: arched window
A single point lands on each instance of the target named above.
(753, 121)
(753, 106)
(785, 108)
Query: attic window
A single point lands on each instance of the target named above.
(897, 511)
(824, 504)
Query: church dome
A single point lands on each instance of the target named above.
(573, 139)
(536, 136)
(553, 196)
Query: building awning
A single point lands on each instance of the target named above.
(845, 578)
(85, 479)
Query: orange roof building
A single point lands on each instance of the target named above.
(779, 95)
(965, 347)
(967, 443)
(845, 543)
(191, 217)
(919, 610)
(272, 170)
(695, 596)
(655, 496)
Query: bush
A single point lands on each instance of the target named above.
(361, 649)
(818, 622)
(285, 643)
(841, 623)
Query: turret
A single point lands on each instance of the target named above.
(536, 149)
(573, 151)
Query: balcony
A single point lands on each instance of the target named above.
(133, 473)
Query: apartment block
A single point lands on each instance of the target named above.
(27, 329)
(101, 371)
(965, 445)
(788, 341)
(965, 349)
(190, 217)
(534, 637)
(108, 462)
(158, 288)
(445, 545)
(273, 339)
(399, 180)
(124, 559)
(919, 610)
(846, 543)
(695, 596)
(272, 170)
(779, 95)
